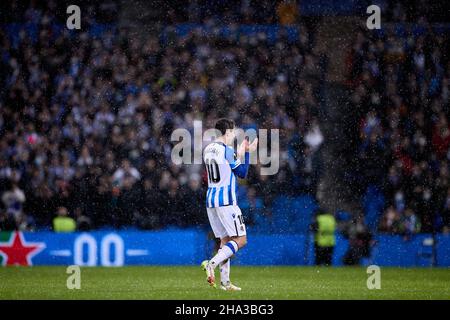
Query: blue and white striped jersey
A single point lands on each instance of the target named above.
(221, 161)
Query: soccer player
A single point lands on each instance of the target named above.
(225, 217)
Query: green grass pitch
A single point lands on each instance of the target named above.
(164, 282)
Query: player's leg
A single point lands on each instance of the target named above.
(228, 249)
(241, 241)
(219, 232)
(224, 267)
(233, 223)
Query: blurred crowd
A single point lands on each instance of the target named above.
(85, 121)
(400, 89)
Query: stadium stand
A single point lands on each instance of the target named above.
(87, 116)
(400, 82)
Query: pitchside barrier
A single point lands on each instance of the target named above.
(191, 246)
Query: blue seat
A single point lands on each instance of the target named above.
(302, 213)
(263, 224)
(280, 211)
(373, 203)
(425, 254)
(293, 215)
(343, 216)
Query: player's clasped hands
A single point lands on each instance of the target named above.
(246, 146)
(250, 147)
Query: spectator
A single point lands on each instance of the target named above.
(390, 222)
(446, 213)
(151, 207)
(62, 222)
(128, 202)
(409, 224)
(126, 172)
(7, 222)
(84, 223)
(325, 240)
(193, 198)
(400, 86)
(287, 11)
(13, 199)
(360, 241)
(88, 124)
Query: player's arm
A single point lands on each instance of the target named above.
(241, 169)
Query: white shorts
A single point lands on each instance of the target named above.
(226, 221)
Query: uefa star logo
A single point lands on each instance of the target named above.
(19, 252)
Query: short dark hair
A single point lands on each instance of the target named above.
(224, 124)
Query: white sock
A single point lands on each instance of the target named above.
(228, 250)
(225, 271)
